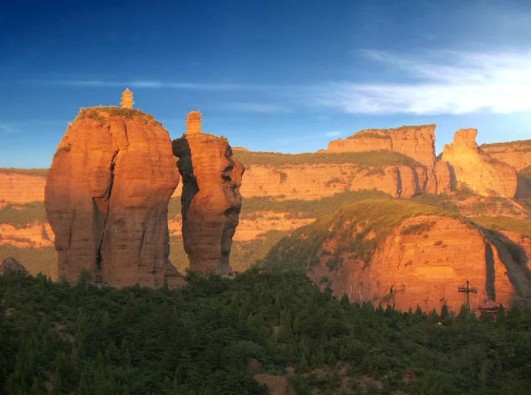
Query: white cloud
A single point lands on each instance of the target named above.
(440, 82)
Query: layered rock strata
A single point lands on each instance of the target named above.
(21, 188)
(210, 200)
(515, 153)
(470, 166)
(416, 142)
(107, 196)
(316, 181)
(421, 261)
(426, 268)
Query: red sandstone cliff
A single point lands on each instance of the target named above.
(316, 181)
(211, 199)
(107, 195)
(515, 153)
(405, 254)
(21, 188)
(518, 155)
(417, 142)
(478, 170)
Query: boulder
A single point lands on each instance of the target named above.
(10, 264)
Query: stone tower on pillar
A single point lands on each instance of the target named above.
(127, 99)
(193, 122)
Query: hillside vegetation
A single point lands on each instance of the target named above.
(362, 159)
(307, 208)
(511, 224)
(213, 335)
(25, 172)
(349, 227)
(22, 214)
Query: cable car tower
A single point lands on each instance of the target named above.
(467, 289)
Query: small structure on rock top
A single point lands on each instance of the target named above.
(211, 199)
(127, 99)
(193, 122)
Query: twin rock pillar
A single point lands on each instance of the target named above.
(108, 190)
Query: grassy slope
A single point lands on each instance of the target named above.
(348, 227)
(518, 225)
(525, 143)
(20, 215)
(25, 172)
(362, 159)
(307, 208)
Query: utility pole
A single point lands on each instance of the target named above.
(468, 290)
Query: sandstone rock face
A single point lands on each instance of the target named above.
(11, 265)
(107, 197)
(414, 269)
(316, 181)
(417, 142)
(426, 268)
(444, 178)
(210, 200)
(480, 172)
(420, 261)
(516, 153)
(21, 188)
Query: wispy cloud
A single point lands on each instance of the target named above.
(150, 84)
(440, 82)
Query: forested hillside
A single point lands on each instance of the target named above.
(214, 335)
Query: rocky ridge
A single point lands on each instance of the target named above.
(416, 142)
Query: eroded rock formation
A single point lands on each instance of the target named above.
(514, 153)
(476, 169)
(316, 181)
(107, 196)
(420, 260)
(21, 188)
(211, 199)
(416, 142)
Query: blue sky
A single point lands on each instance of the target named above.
(284, 76)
